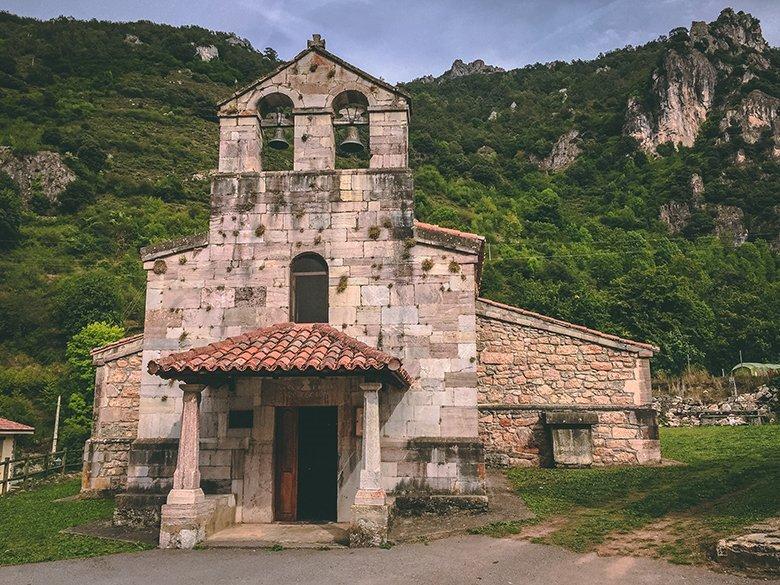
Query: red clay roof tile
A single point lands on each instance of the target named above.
(10, 426)
(287, 347)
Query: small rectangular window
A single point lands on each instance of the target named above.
(240, 419)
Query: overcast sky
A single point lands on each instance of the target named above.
(403, 39)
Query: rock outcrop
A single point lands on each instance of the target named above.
(207, 52)
(461, 69)
(756, 114)
(730, 224)
(236, 41)
(683, 87)
(564, 152)
(675, 215)
(732, 31)
(43, 171)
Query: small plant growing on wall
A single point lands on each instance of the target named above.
(373, 232)
(342, 286)
(260, 230)
(454, 267)
(427, 264)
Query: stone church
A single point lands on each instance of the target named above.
(319, 355)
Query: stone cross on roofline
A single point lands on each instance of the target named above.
(316, 42)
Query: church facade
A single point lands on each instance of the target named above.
(320, 355)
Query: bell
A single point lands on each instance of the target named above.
(279, 142)
(352, 143)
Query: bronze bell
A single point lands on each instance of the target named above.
(352, 143)
(279, 142)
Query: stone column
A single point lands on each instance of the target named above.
(186, 478)
(369, 513)
(187, 512)
(371, 491)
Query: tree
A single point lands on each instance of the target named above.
(85, 298)
(77, 424)
(10, 212)
(78, 348)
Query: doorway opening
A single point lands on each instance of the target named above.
(306, 449)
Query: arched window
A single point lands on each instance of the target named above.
(309, 289)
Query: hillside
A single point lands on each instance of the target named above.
(592, 215)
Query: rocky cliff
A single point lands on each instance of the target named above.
(43, 172)
(461, 69)
(755, 115)
(683, 88)
(565, 151)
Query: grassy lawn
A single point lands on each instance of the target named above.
(730, 479)
(31, 524)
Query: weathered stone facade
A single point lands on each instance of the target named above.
(530, 365)
(397, 285)
(115, 414)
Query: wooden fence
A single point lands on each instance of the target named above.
(20, 473)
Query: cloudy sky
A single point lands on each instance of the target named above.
(403, 39)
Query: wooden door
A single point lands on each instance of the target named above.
(286, 464)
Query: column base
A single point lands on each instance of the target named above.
(184, 518)
(369, 525)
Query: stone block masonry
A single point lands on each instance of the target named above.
(115, 415)
(530, 365)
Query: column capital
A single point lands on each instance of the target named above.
(192, 387)
(371, 386)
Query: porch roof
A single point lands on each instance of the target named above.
(284, 349)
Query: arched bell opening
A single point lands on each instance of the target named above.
(276, 122)
(350, 128)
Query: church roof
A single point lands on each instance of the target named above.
(285, 348)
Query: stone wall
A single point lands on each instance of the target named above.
(115, 415)
(530, 365)
(518, 436)
(759, 407)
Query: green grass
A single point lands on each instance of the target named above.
(729, 479)
(32, 520)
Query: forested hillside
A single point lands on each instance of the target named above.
(109, 132)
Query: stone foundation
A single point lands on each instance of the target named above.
(435, 465)
(369, 526)
(105, 465)
(516, 435)
(138, 510)
(185, 524)
(150, 477)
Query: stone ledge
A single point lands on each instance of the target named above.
(417, 505)
(758, 550)
(174, 246)
(564, 407)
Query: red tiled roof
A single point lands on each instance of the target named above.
(299, 348)
(10, 426)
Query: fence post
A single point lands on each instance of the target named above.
(6, 470)
(45, 473)
(25, 477)
(64, 459)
